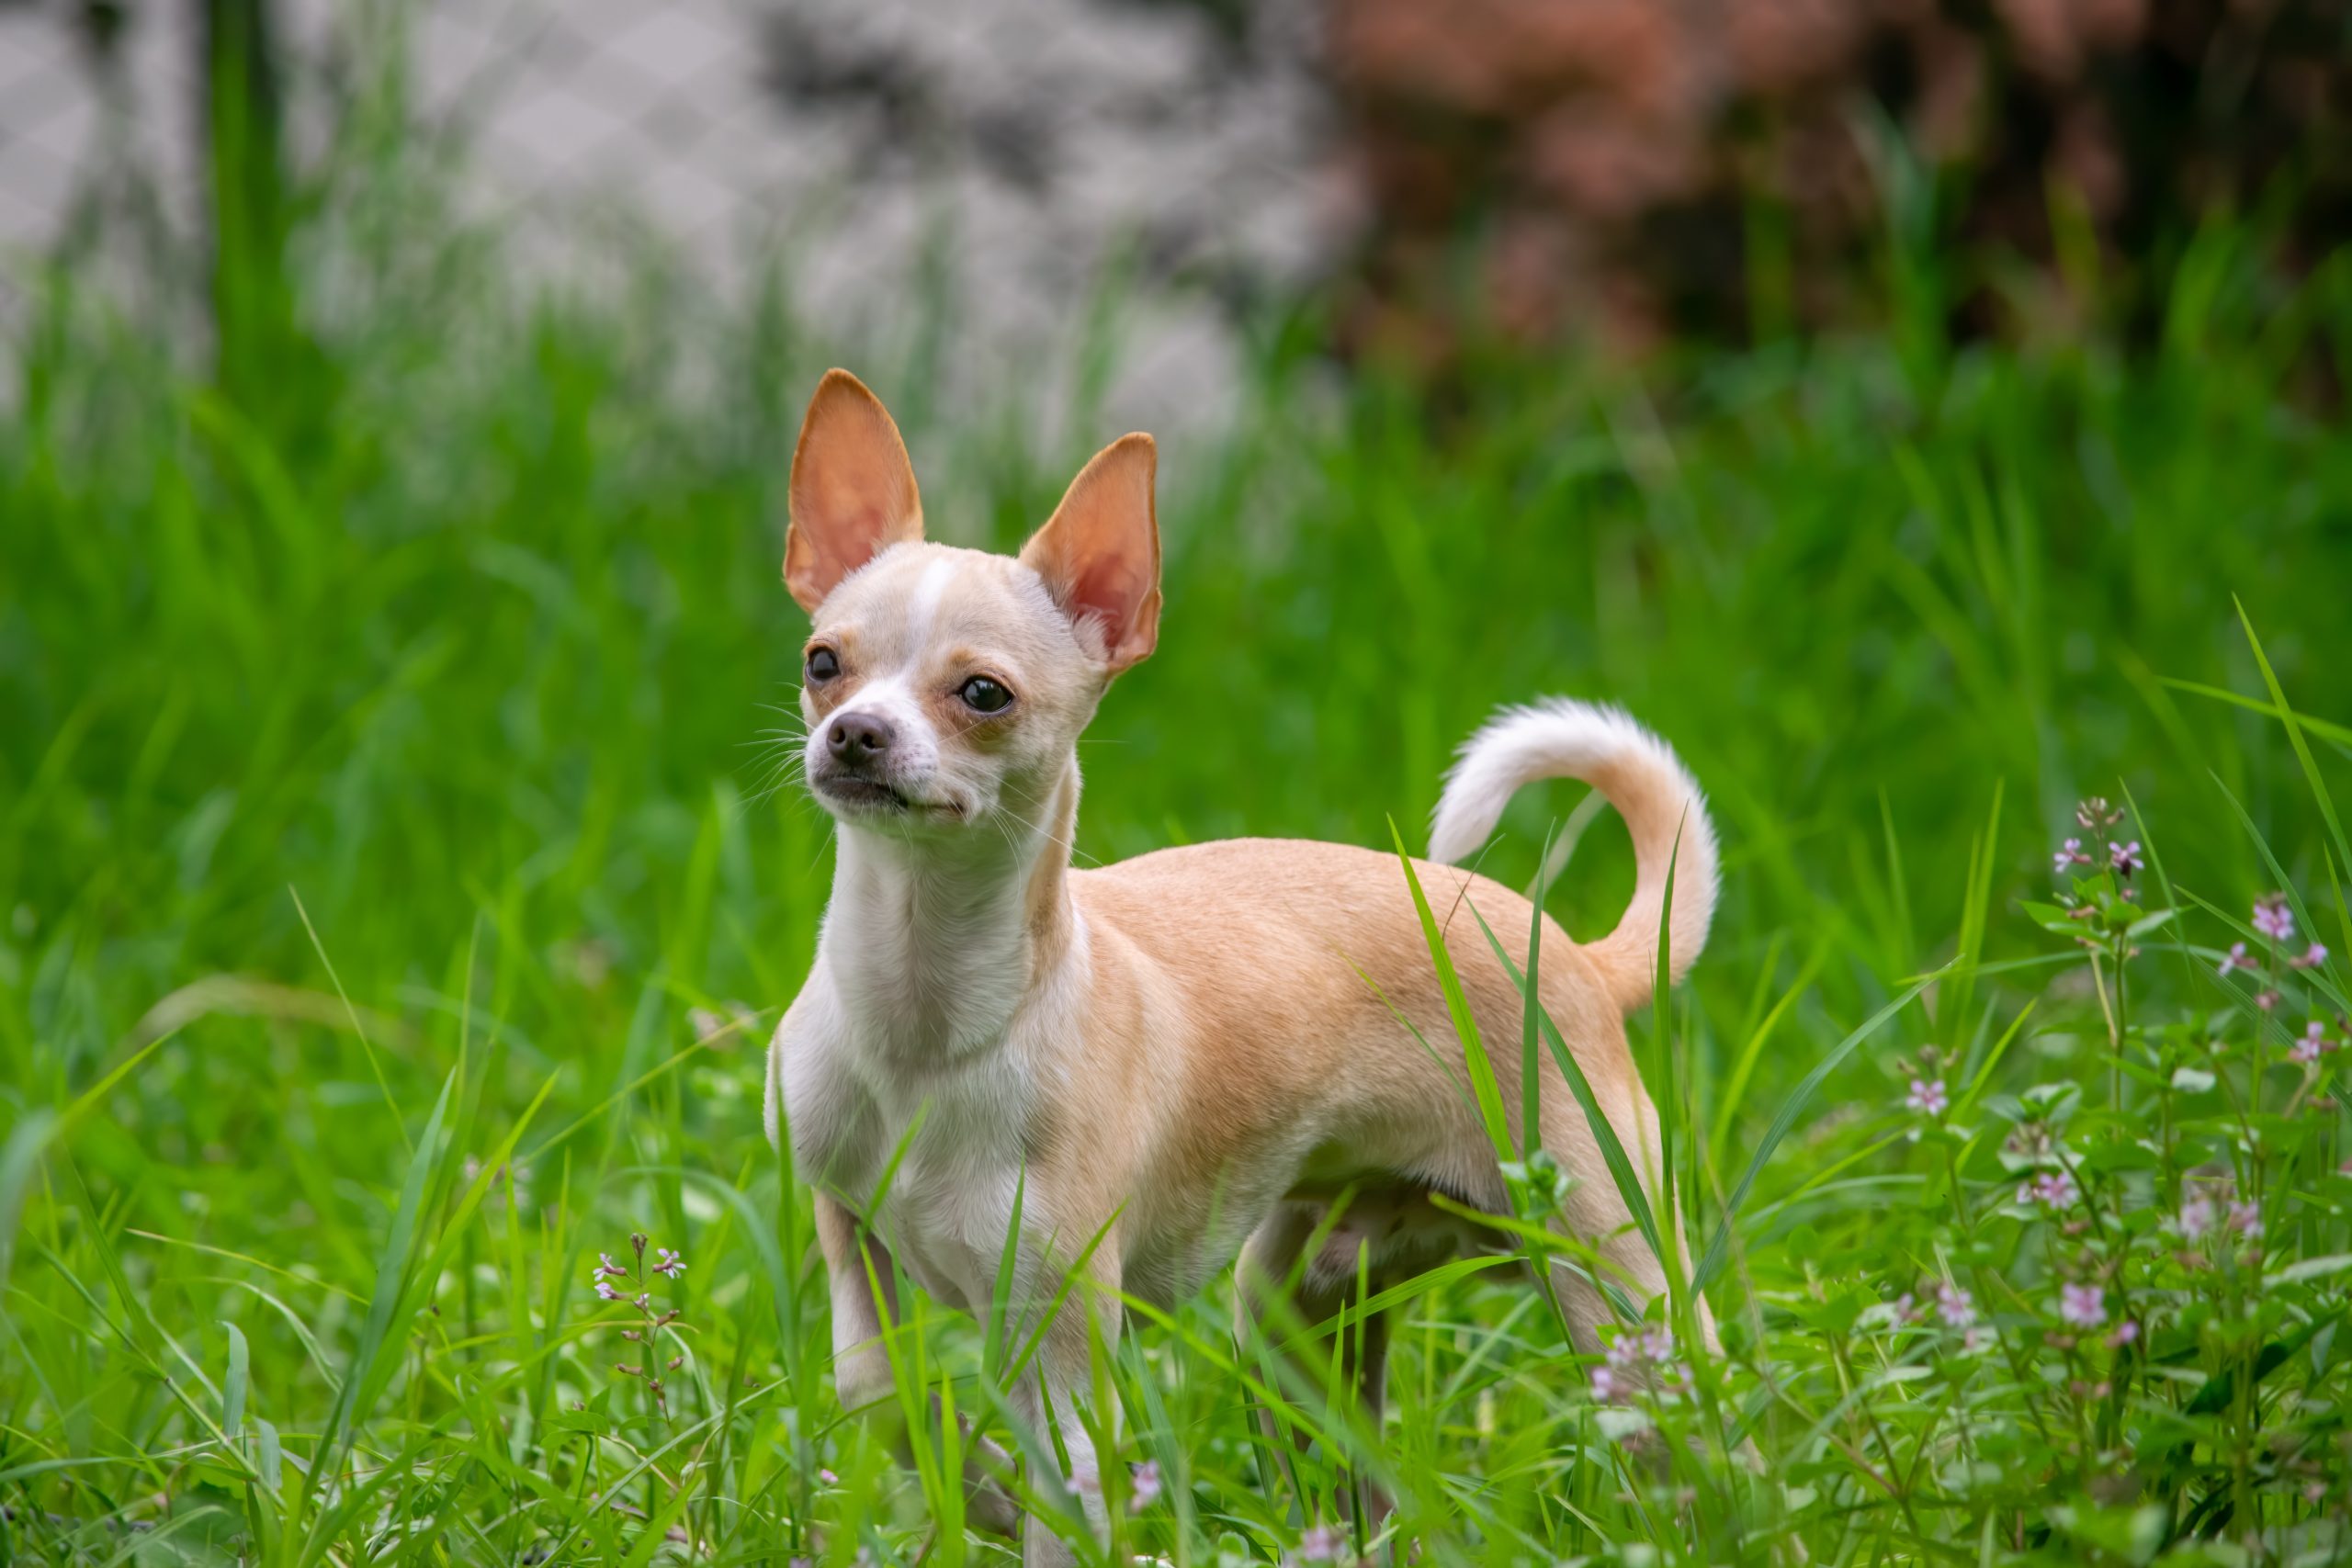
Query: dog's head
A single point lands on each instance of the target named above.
(943, 686)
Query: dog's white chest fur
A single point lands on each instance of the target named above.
(946, 1138)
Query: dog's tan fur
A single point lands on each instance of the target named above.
(1191, 1054)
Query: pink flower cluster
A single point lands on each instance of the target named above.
(2316, 1042)
(1637, 1359)
(1954, 1307)
(2098, 816)
(2199, 1216)
(2085, 1306)
(2273, 918)
(2051, 1189)
(1322, 1543)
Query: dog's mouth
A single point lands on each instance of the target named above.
(872, 795)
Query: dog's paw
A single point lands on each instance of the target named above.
(988, 1498)
(990, 1508)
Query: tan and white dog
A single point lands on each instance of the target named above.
(1191, 1053)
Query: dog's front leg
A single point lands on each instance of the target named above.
(856, 1265)
(1052, 1392)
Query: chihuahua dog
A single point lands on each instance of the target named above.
(1158, 1065)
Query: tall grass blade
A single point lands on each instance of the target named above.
(1613, 1150)
(1466, 1026)
(2295, 726)
(367, 1370)
(1718, 1250)
(1531, 1078)
(233, 1383)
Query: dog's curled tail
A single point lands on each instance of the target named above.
(1640, 775)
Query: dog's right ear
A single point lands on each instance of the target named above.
(852, 490)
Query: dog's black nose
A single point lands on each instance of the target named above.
(856, 738)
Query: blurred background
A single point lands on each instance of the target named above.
(1616, 171)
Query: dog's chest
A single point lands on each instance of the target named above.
(951, 1194)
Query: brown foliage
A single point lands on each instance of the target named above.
(1618, 158)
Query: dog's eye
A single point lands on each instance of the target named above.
(823, 665)
(984, 695)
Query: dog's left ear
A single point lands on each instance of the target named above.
(1100, 551)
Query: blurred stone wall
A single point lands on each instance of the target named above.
(997, 161)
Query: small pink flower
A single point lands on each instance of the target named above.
(2196, 1217)
(1928, 1097)
(1639, 1359)
(608, 1269)
(2056, 1189)
(671, 1263)
(1143, 1484)
(2245, 1218)
(1907, 1308)
(2069, 853)
(2266, 1000)
(2085, 1306)
(2311, 957)
(2124, 858)
(2234, 959)
(605, 1291)
(1954, 1305)
(2307, 1050)
(2126, 1333)
(2273, 918)
(828, 1477)
(1323, 1543)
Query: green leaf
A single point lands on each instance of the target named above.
(232, 1386)
(2313, 1268)
(19, 1158)
(2051, 917)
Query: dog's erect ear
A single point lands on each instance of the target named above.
(1100, 551)
(853, 488)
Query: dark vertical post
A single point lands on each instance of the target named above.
(252, 309)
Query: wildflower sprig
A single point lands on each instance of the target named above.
(2097, 869)
(638, 1293)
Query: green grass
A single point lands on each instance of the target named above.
(382, 790)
